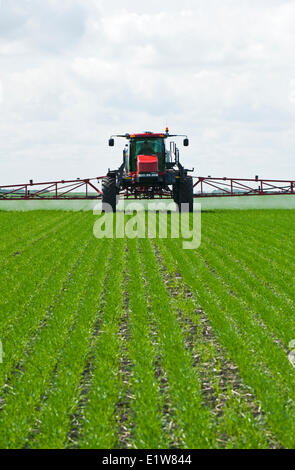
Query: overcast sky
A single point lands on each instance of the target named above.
(72, 72)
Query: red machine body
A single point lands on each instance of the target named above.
(147, 164)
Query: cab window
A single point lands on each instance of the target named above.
(146, 147)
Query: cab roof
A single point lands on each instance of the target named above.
(147, 135)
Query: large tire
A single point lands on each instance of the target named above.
(109, 194)
(183, 193)
(175, 193)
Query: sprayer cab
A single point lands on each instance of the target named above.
(149, 167)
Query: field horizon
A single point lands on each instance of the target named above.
(209, 203)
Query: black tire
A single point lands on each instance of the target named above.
(175, 193)
(109, 194)
(183, 193)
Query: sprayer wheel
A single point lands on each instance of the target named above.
(183, 193)
(109, 194)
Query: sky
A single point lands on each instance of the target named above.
(73, 72)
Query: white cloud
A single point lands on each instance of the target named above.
(73, 72)
(292, 91)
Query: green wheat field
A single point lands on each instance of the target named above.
(142, 344)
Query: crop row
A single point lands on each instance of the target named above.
(141, 344)
(234, 314)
